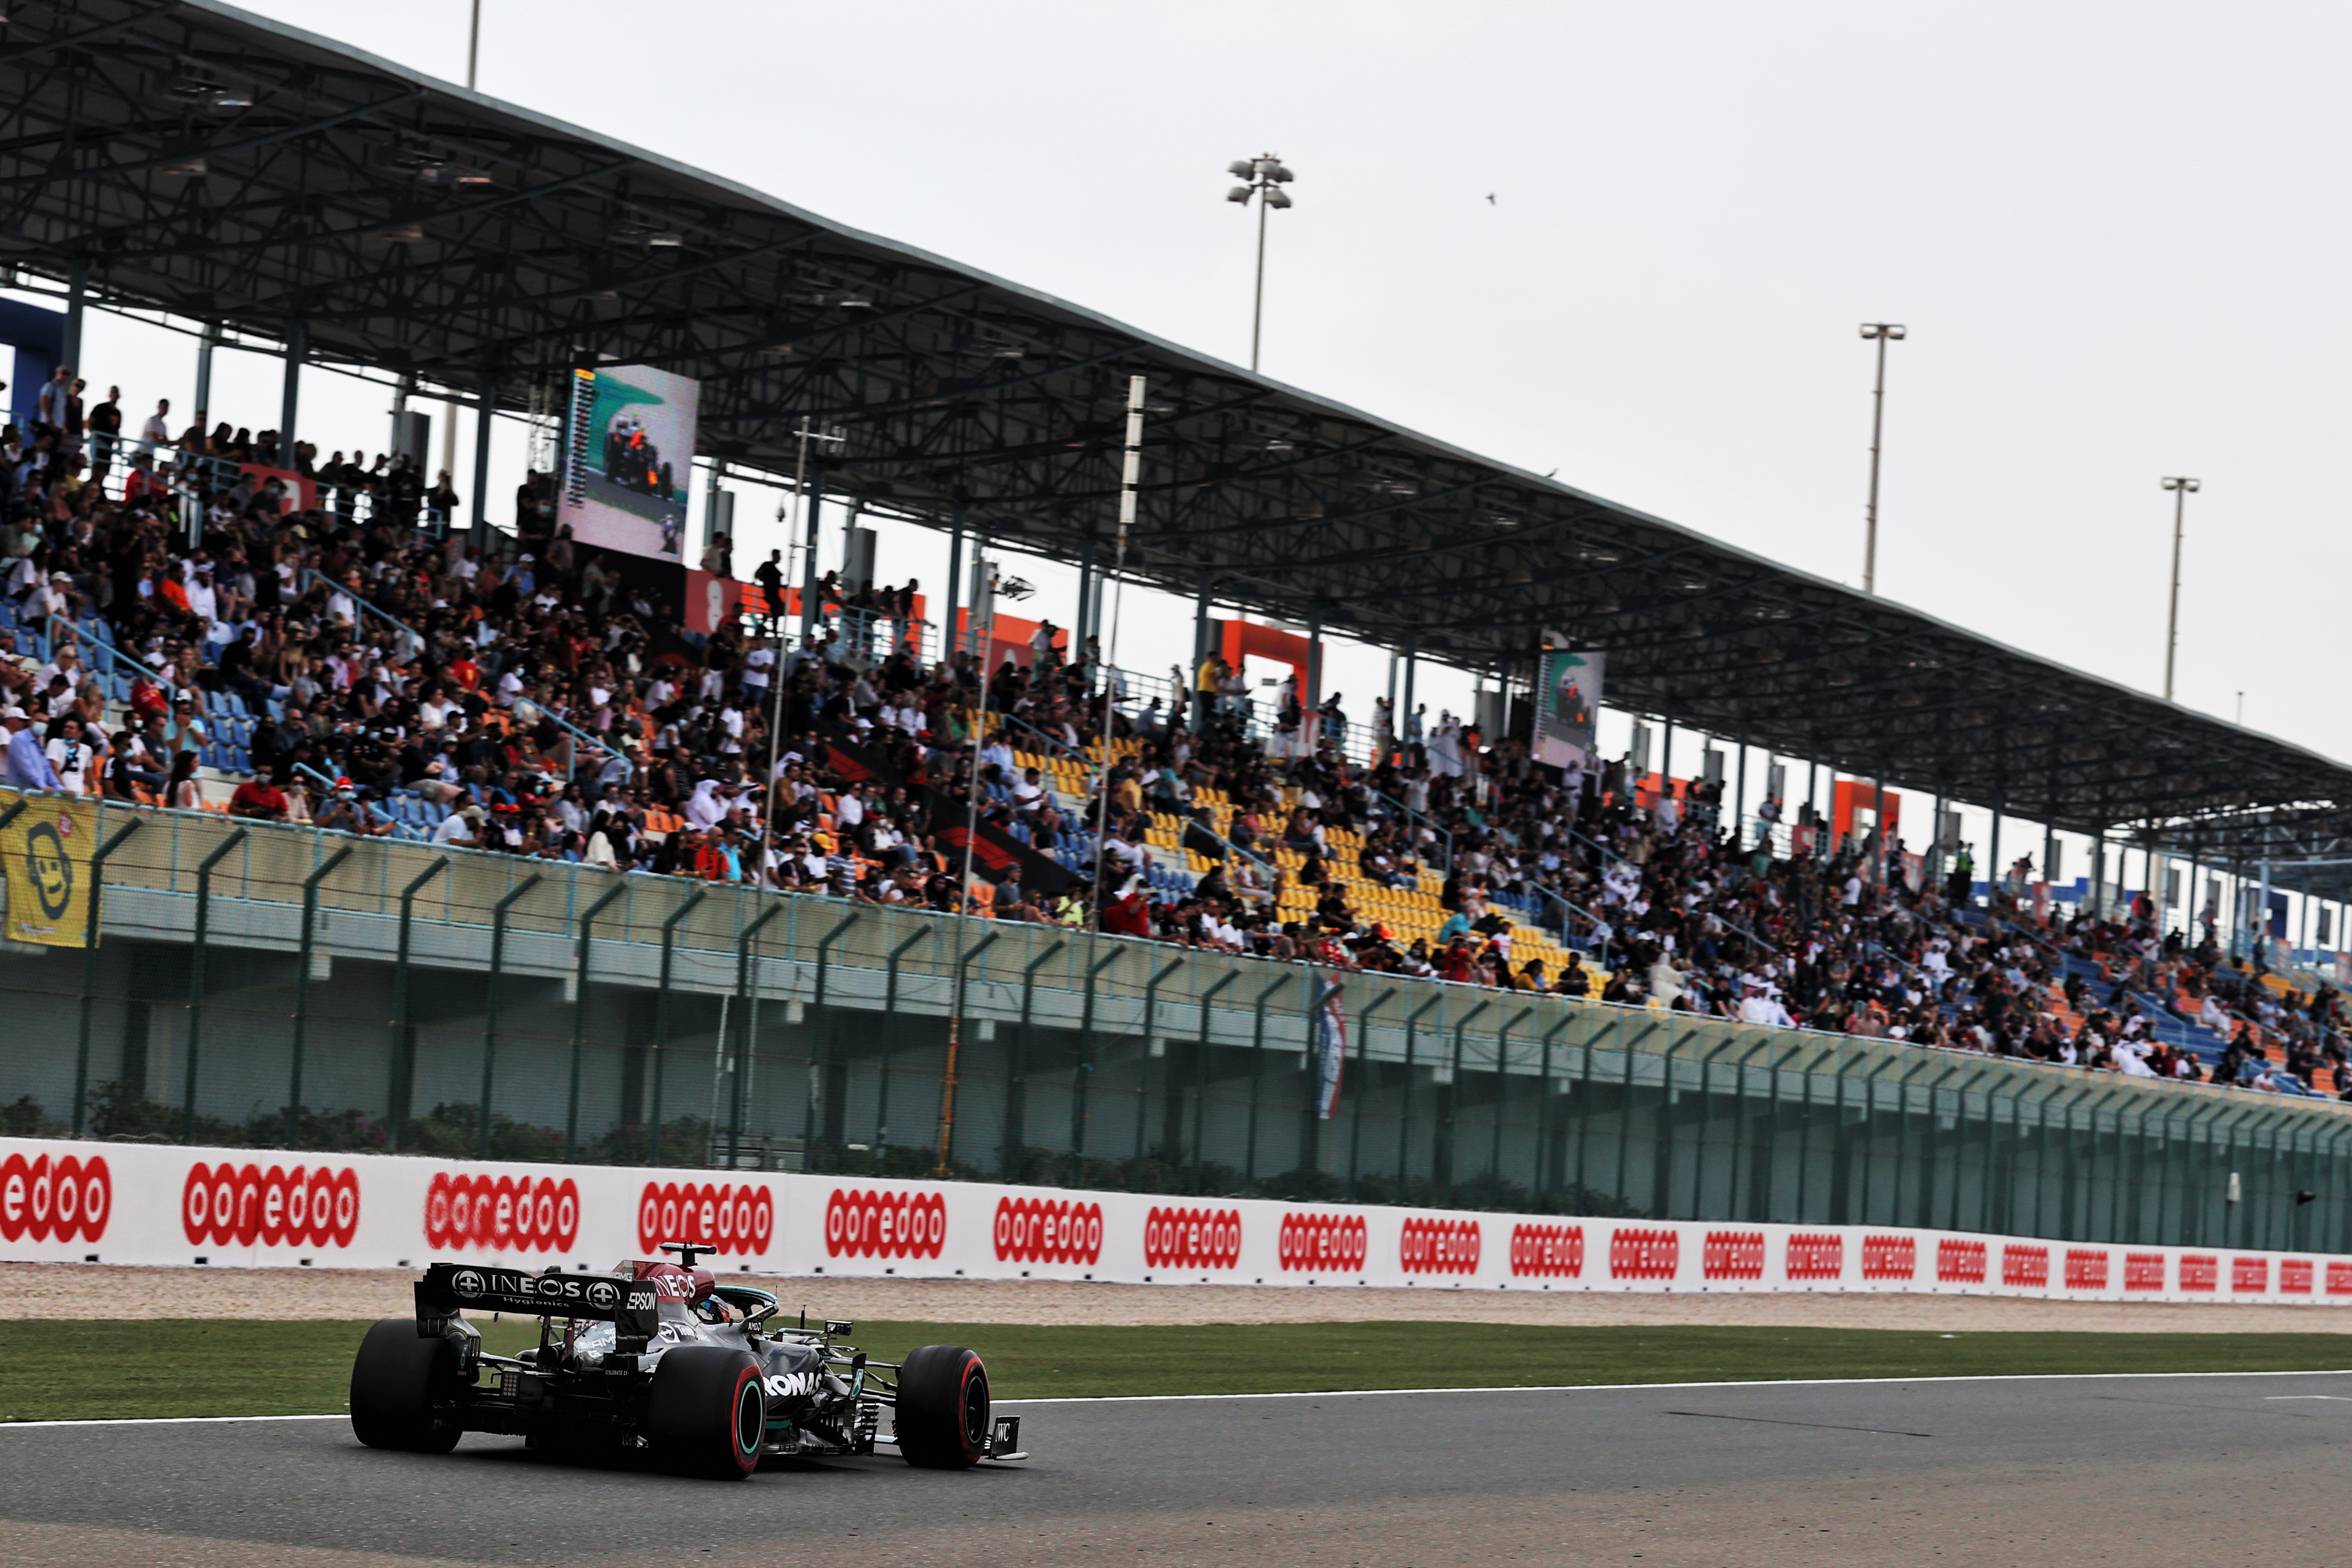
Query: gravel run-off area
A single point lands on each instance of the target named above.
(67, 1290)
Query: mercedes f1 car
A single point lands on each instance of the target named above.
(661, 1360)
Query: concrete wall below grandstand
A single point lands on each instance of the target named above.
(136, 1203)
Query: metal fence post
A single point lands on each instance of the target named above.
(1143, 1074)
(1742, 1160)
(1706, 1120)
(1201, 1081)
(396, 1091)
(1363, 1084)
(580, 1019)
(1257, 1058)
(947, 1068)
(196, 978)
(490, 1008)
(890, 1031)
(1546, 1176)
(1502, 1079)
(1082, 1076)
(1404, 1113)
(302, 992)
(820, 1036)
(1016, 1086)
(1441, 1154)
(92, 929)
(661, 1017)
(746, 1036)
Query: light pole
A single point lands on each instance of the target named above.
(2181, 490)
(1882, 333)
(1265, 176)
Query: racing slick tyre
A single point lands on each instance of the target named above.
(707, 1413)
(395, 1378)
(942, 1408)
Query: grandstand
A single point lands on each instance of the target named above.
(1637, 1001)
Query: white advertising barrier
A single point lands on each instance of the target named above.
(139, 1204)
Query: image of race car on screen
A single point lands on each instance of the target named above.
(632, 434)
(658, 1361)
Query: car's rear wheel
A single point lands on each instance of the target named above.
(395, 1378)
(943, 1408)
(707, 1413)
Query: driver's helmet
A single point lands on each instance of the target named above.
(681, 1291)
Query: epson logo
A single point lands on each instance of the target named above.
(643, 1300)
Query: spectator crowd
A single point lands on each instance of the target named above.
(203, 621)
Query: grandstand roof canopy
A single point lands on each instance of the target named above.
(192, 157)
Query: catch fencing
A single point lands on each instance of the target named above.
(315, 993)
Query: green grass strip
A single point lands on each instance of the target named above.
(94, 1370)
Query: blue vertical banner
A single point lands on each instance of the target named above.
(1330, 1052)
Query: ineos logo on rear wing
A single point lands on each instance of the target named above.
(630, 1304)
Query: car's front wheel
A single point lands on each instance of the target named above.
(395, 1378)
(943, 1415)
(707, 1412)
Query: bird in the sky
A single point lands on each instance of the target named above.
(1490, 198)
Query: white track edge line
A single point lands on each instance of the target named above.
(1375, 1393)
(1620, 1387)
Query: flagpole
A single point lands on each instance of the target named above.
(1128, 478)
(987, 630)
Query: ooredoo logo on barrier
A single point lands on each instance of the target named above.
(2294, 1276)
(1324, 1243)
(1439, 1247)
(1959, 1262)
(1192, 1239)
(1890, 1257)
(227, 1204)
(1815, 1255)
(2200, 1271)
(67, 1199)
(2143, 1272)
(1547, 1251)
(2339, 1278)
(885, 1225)
(1732, 1255)
(2249, 1276)
(2086, 1268)
(1639, 1254)
(501, 1214)
(1048, 1230)
(2025, 1268)
(739, 1221)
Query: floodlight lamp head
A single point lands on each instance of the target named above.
(1278, 174)
(1275, 198)
(1239, 194)
(1241, 169)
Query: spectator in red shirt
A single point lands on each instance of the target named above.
(257, 798)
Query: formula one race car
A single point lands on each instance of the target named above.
(661, 1360)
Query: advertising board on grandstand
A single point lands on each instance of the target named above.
(65, 1202)
(1568, 703)
(629, 459)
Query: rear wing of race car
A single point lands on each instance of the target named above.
(631, 1306)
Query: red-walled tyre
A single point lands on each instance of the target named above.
(395, 1378)
(943, 1408)
(707, 1413)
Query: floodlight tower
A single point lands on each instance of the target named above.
(1882, 333)
(1265, 176)
(2182, 488)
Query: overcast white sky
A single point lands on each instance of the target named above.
(2116, 232)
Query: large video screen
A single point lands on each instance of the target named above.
(629, 459)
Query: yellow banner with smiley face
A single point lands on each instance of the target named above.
(46, 850)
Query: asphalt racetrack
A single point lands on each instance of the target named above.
(2205, 1470)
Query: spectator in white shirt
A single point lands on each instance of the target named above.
(157, 431)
